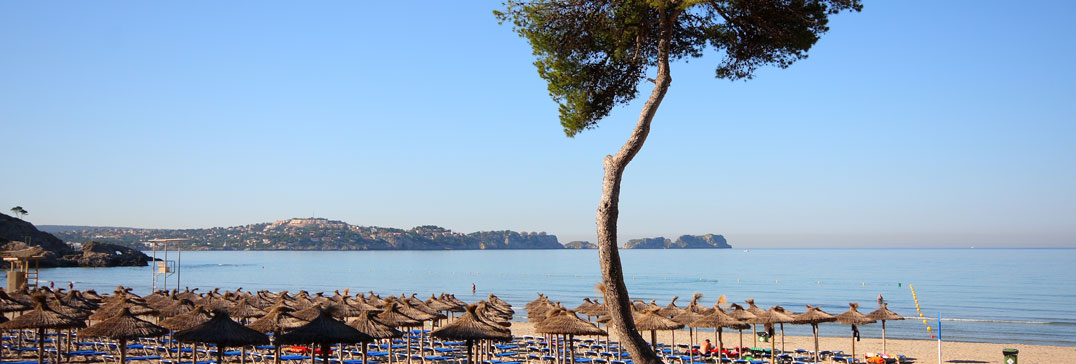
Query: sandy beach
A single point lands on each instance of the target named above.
(923, 351)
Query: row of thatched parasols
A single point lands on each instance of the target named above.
(653, 318)
(207, 318)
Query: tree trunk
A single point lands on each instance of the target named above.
(617, 300)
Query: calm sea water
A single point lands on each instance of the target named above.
(984, 295)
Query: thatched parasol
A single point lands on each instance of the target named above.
(359, 305)
(123, 327)
(719, 319)
(695, 307)
(470, 328)
(687, 318)
(853, 317)
(223, 332)
(739, 313)
(178, 308)
(197, 316)
(114, 306)
(814, 316)
(245, 310)
(41, 318)
(392, 316)
(439, 305)
(367, 324)
(650, 320)
(422, 306)
(883, 314)
(324, 330)
(500, 305)
(539, 311)
(564, 322)
(671, 309)
(769, 318)
(405, 307)
(74, 299)
(276, 321)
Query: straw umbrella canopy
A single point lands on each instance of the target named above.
(501, 305)
(695, 307)
(539, 311)
(671, 309)
(585, 307)
(405, 307)
(187, 320)
(739, 313)
(413, 301)
(719, 319)
(115, 306)
(853, 317)
(245, 310)
(491, 315)
(769, 318)
(541, 300)
(324, 330)
(883, 314)
(393, 316)
(276, 321)
(223, 332)
(74, 299)
(123, 327)
(312, 312)
(564, 322)
(440, 305)
(650, 320)
(470, 328)
(178, 308)
(360, 305)
(814, 316)
(687, 318)
(367, 324)
(789, 315)
(41, 318)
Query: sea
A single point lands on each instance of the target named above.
(1025, 296)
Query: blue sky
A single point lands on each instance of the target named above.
(913, 123)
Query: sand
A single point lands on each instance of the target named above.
(923, 351)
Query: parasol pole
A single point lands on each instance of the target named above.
(939, 338)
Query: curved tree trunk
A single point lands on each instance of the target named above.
(617, 300)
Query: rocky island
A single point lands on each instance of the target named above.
(580, 245)
(19, 235)
(708, 241)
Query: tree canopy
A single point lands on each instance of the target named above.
(594, 53)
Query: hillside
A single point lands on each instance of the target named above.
(319, 234)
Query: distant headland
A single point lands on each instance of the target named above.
(326, 234)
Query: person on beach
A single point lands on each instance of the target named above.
(880, 300)
(707, 348)
(473, 288)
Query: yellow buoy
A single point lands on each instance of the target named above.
(928, 328)
(924, 322)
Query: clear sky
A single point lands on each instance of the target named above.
(913, 123)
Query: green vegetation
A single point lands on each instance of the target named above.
(594, 54)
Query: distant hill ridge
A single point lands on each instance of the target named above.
(319, 234)
(325, 234)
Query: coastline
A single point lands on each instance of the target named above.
(923, 351)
